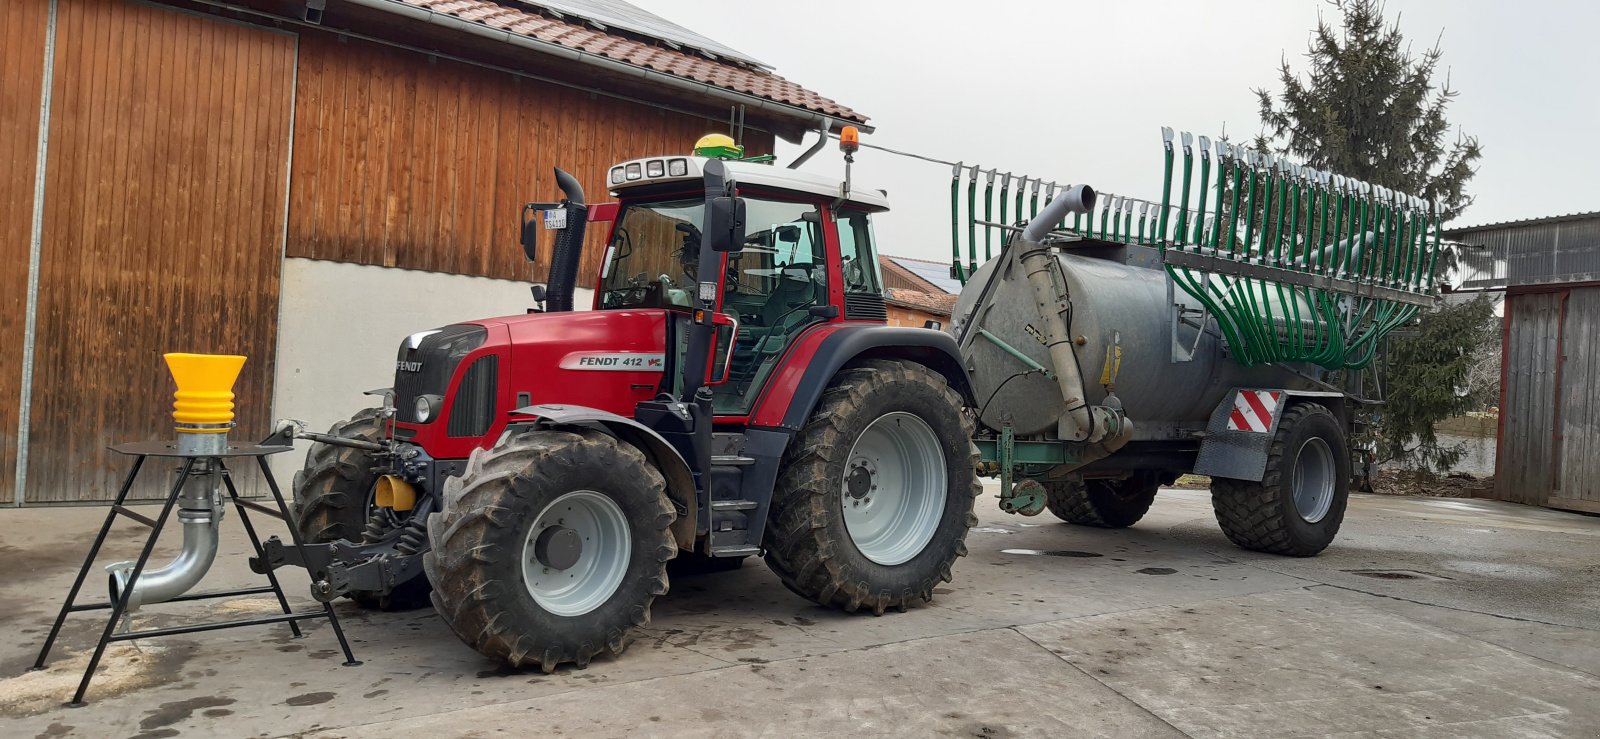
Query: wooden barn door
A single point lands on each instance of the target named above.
(1578, 423)
(1525, 462)
(163, 229)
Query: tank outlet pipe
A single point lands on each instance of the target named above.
(1103, 425)
(200, 514)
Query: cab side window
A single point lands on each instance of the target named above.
(859, 260)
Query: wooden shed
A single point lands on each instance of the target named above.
(303, 182)
(1548, 450)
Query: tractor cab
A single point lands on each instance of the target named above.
(805, 256)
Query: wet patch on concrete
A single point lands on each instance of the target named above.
(1052, 552)
(309, 699)
(54, 730)
(174, 712)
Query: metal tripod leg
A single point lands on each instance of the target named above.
(138, 569)
(255, 542)
(294, 534)
(94, 551)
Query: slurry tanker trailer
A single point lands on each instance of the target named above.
(735, 391)
(1218, 331)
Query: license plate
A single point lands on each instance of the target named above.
(555, 219)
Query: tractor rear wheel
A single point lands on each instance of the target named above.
(1108, 504)
(1299, 503)
(875, 497)
(333, 501)
(550, 547)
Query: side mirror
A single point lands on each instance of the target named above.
(530, 237)
(725, 224)
(530, 231)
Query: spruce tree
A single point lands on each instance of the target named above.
(1367, 107)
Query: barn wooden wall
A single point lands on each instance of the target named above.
(166, 219)
(22, 42)
(403, 161)
(163, 229)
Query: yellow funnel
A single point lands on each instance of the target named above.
(203, 403)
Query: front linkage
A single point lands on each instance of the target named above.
(385, 557)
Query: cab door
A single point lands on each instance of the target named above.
(770, 289)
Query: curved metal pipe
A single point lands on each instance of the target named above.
(1076, 199)
(201, 521)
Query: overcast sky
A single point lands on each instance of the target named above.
(1077, 91)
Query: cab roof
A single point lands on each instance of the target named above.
(650, 171)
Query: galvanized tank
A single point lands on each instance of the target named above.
(1119, 297)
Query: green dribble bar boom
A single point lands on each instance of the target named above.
(1295, 264)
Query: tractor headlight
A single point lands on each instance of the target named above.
(425, 407)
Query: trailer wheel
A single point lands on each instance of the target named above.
(1297, 507)
(550, 548)
(333, 501)
(875, 497)
(1108, 504)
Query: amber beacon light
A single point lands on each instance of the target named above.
(202, 408)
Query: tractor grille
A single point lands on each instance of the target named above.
(426, 370)
(472, 410)
(865, 307)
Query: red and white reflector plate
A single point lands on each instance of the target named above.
(1253, 410)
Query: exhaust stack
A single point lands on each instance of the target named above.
(203, 411)
(568, 252)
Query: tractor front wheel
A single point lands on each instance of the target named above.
(551, 547)
(333, 500)
(875, 497)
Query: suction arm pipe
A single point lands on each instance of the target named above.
(1049, 293)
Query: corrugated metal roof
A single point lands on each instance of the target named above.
(1525, 222)
(652, 54)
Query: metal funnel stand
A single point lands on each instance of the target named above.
(203, 412)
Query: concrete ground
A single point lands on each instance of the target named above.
(1427, 617)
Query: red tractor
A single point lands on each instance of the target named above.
(734, 391)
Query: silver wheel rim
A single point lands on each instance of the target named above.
(894, 487)
(602, 561)
(1313, 480)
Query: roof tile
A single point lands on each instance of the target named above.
(723, 73)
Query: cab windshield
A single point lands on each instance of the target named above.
(654, 251)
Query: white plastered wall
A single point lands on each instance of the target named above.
(339, 327)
